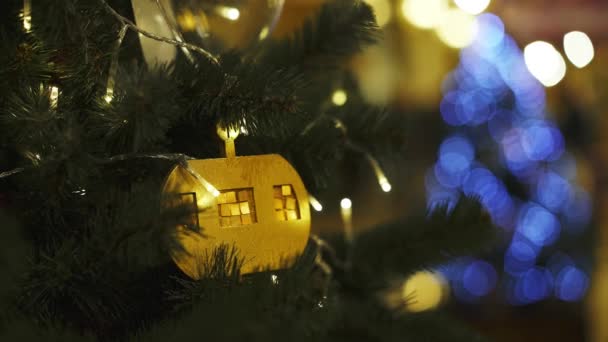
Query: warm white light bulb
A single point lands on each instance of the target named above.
(457, 29)
(579, 48)
(386, 186)
(264, 33)
(346, 203)
(54, 96)
(315, 203)
(339, 97)
(27, 23)
(229, 13)
(472, 6)
(545, 63)
(109, 95)
(425, 14)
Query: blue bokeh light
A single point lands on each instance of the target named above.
(571, 284)
(491, 33)
(514, 154)
(553, 191)
(456, 154)
(523, 251)
(538, 225)
(541, 142)
(453, 109)
(479, 278)
(536, 284)
(447, 179)
(492, 86)
(520, 257)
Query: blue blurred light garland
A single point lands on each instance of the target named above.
(492, 99)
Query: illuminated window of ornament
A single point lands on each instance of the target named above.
(236, 207)
(285, 203)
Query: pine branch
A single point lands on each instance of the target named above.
(340, 29)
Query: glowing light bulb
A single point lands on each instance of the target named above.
(382, 180)
(54, 96)
(27, 23)
(27, 15)
(229, 13)
(425, 14)
(315, 203)
(457, 29)
(187, 21)
(215, 192)
(545, 63)
(472, 6)
(579, 48)
(386, 186)
(109, 95)
(424, 291)
(382, 10)
(347, 218)
(274, 279)
(339, 97)
(264, 33)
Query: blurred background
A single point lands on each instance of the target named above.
(503, 100)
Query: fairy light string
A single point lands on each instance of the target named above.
(176, 34)
(114, 65)
(324, 249)
(131, 25)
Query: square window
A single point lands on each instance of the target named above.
(236, 207)
(286, 203)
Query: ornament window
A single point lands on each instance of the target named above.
(286, 203)
(237, 207)
(187, 201)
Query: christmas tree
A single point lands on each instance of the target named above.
(90, 130)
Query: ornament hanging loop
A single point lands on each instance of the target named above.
(228, 135)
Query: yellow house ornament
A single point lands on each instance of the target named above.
(257, 203)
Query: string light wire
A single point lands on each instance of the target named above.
(150, 35)
(114, 65)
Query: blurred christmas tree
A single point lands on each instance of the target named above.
(507, 149)
(91, 127)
